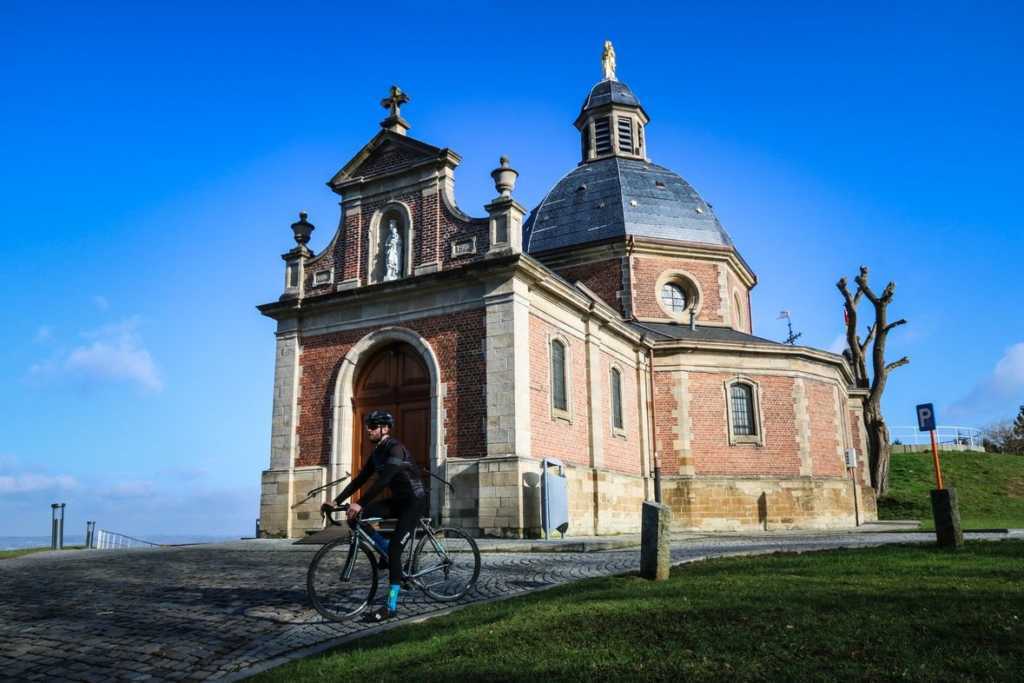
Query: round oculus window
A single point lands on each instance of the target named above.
(673, 297)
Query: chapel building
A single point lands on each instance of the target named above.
(609, 329)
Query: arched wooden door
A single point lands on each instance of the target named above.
(394, 379)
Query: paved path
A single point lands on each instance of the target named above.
(228, 610)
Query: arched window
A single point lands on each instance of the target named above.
(742, 400)
(743, 412)
(616, 381)
(559, 400)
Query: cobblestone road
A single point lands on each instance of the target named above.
(222, 611)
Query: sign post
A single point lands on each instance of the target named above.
(926, 423)
(945, 508)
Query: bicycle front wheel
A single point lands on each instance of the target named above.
(334, 596)
(447, 564)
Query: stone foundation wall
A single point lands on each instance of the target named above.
(274, 508)
(723, 504)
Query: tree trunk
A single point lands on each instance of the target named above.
(879, 450)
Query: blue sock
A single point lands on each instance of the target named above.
(381, 542)
(393, 597)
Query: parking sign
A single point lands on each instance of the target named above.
(926, 417)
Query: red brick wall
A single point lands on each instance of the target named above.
(551, 437)
(621, 453)
(388, 160)
(457, 340)
(604, 277)
(647, 270)
(825, 439)
(712, 454)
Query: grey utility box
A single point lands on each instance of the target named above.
(554, 497)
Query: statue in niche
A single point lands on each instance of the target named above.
(392, 252)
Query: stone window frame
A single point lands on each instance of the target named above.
(373, 239)
(689, 284)
(757, 438)
(616, 431)
(557, 413)
(328, 281)
(471, 241)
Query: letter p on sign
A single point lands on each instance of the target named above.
(926, 417)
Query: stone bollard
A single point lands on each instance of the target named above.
(946, 513)
(654, 541)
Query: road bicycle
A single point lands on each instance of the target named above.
(342, 579)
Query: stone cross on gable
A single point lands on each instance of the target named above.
(395, 100)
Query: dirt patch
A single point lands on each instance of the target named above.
(1015, 487)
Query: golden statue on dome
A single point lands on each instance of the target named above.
(608, 61)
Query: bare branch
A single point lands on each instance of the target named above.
(867, 339)
(890, 289)
(899, 322)
(897, 363)
(862, 283)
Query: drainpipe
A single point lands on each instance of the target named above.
(654, 435)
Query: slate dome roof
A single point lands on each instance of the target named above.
(607, 91)
(615, 197)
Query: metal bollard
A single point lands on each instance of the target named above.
(60, 528)
(90, 529)
(53, 525)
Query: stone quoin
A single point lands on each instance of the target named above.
(609, 328)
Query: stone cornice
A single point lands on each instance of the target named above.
(780, 350)
(618, 247)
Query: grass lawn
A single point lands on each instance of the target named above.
(8, 554)
(910, 612)
(989, 486)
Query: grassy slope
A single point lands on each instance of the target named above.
(911, 612)
(8, 554)
(990, 488)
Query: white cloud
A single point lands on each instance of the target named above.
(129, 489)
(115, 354)
(26, 483)
(997, 393)
(101, 302)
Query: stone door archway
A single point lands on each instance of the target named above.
(394, 379)
(347, 431)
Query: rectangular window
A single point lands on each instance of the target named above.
(626, 134)
(603, 135)
(558, 398)
(616, 399)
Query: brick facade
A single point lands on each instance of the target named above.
(556, 437)
(604, 278)
(647, 270)
(457, 341)
(489, 318)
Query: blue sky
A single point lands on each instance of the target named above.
(154, 157)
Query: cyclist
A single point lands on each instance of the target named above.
(395, 468)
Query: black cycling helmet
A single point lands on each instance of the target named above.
(380, 417)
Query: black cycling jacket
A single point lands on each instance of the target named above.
(394, 467)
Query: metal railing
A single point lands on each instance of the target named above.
(948, 436)
(109, 540)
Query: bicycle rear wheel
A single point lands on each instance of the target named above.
(337, 599)
(450, 563)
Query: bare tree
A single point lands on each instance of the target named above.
(856, 353)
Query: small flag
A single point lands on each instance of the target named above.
(783, 314)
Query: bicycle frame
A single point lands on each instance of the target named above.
(360, 535)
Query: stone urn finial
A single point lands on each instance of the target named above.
(504, 178)
(302, 228)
